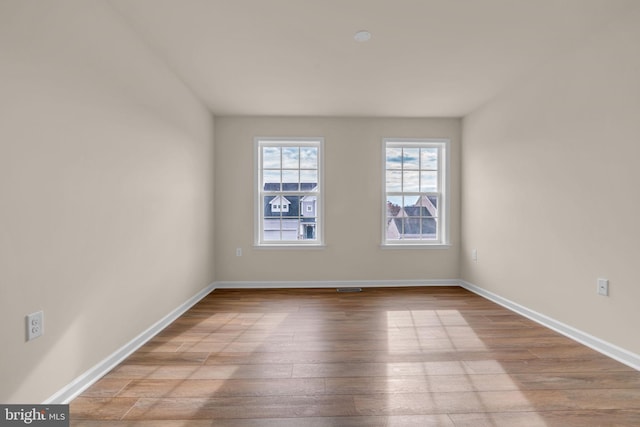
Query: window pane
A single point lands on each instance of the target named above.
(309, 207)
(410, 181)
(429, 205)
(309, 157)
(308, 229)
(411, 228)
(412, 200)
(272, 206)
(280, 229)
(271, 180)
(394, 204)
(291, 205)
(291, 225)
(309, 177)
(271, 157)
(411, 158)
(393, 227)
(394, 158)
(432, 206)
(271, 229)
(429, 181)
(290, 179)
(394, 181)
(429, 158)
(283, 220)
(411, 209)
(290, 157)
(430, 228)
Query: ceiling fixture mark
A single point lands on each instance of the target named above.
(362, 36)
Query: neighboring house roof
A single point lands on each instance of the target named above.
(429, 202)
(294, 206)
(413, 211)
(413, 226)
(281, 200)
(414, 220)
(293, 209)
(293, 200)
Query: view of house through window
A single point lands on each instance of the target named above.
(415, 179)
(289, 193)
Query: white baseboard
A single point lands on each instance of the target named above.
(611, 350)
(81, 383)
(334, 284)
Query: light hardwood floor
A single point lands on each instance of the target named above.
(432, 356)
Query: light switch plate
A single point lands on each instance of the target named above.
(603, 287)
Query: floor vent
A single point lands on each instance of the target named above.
(349, 289)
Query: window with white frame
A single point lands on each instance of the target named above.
(415, 192)
(288, 191)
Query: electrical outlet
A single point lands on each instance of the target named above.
(474, 255)
(238, 251)
(35, 325)
(603, 287)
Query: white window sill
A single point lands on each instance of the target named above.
(290, 246)
(415, 246)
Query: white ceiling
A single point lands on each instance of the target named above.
(427, 58)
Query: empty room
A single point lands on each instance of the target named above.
(319, 213)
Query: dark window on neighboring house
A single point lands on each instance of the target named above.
(289, 191)
(415, 182)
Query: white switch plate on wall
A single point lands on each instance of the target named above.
(603, 287)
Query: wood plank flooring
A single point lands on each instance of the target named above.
(432, 356)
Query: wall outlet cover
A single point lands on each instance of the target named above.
(35, 325)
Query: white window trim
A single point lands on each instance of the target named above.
(258, 223)
(444, 209)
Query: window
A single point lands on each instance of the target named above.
(415, 183)
(289, 192)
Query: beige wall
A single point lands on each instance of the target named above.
(106, 191)
(353, 177)
(550, 188)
